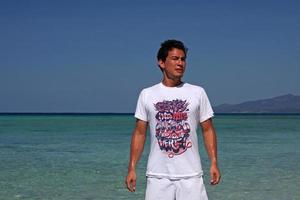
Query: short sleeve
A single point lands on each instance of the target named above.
(141, 111)
(206, 110)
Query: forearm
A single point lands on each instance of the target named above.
(136, 149)
(210, 140)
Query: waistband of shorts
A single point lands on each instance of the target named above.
(174, 177)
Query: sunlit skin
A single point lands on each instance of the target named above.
(173, 67)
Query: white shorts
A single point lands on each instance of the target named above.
(179, 189)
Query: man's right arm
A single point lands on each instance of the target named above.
(136, 149)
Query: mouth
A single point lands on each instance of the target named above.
(179, 70)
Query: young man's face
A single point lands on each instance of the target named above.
(174, 65)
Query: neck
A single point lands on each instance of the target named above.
(171, 82)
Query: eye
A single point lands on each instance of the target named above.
(175, 58)
(178, 58)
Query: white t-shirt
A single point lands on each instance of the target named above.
(173, 114)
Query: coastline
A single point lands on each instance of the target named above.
(122, 114)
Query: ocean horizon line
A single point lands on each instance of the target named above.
(113, 113)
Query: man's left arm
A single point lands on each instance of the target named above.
(210, 140)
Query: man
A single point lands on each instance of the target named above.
(173, 109)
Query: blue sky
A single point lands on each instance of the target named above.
(96, 56)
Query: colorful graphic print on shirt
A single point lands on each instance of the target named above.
(172, 129)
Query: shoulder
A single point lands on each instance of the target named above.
(150, 89)
(194, 88)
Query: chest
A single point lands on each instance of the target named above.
(179, 107)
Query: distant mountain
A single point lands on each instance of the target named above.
(282, 104)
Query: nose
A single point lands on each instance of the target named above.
(180, 62)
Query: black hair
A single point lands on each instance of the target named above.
(167, 46)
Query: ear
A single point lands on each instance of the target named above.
(161, 64)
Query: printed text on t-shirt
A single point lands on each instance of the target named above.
(172, 128)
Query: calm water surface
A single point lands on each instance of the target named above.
(85, 157)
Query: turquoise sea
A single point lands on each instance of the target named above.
(70, 157)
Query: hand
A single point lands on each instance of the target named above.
(215, 175)
(131, 181)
